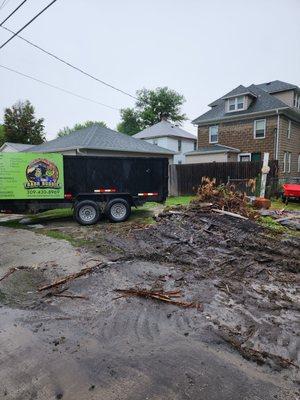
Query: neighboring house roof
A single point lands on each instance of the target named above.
(264, 102)
(16, 146)
(99, 138)
(163, 129)
(214, 148)
(276, 86)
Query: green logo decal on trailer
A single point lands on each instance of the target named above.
(25, 176)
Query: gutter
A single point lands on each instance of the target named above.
(277, 136)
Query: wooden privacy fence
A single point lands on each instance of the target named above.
(184, 179)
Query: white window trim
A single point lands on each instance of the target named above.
(289, 161)
(179, 145)
(243, 154)
(209, 134)
(287, 156)
(236, 104)
(289, 130)
(254, 133)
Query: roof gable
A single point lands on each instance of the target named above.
(164, 129)
(99, 138)
(263, 101)
(16, 146)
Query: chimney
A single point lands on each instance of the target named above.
(164, 117)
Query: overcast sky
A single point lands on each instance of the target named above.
(201, 48)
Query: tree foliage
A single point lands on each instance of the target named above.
(67, 130)
(21, 125)
(2, 135)
(131, 122)
(150, 106)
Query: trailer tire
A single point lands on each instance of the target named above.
(87, 212)
(118, 210)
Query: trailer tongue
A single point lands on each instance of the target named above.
(92, 185)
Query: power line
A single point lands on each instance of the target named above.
(4, 2)
(57, 87)
(12, 13)
(28, 23)
(69, 64)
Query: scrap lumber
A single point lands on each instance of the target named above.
(231, 214)
(71, 277)
(167, 296)
(11, 271)
(287, 218)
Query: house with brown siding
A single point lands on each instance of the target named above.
(249, 121)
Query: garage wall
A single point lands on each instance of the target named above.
(205, 158)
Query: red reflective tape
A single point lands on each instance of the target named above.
(68, 196)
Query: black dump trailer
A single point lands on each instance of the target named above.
(94, 186)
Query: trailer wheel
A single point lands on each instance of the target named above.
(118, 210)
(86, 212)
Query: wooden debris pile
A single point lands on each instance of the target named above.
(165, 296)
(223, 197)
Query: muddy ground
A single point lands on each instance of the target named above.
(242, 342)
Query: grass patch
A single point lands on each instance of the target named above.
(57, 213)
(64, 236)
(272, 225)
(13, 224)
(172, 201)
(279, 205)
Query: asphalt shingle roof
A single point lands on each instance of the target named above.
(276, 86)
(213, 148)
(162, 129)
(263, 102)
(19, 146)
(99, 138)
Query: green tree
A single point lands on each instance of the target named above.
(67, 130)
(2, 135)
(150, 107)
(21, 125)
(131, 122)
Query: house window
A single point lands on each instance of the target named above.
(259, 129)
(236, 103)
(287, 161)
(179, 144)
(242, 157)
(179, 162)
(213, 134)
(296, 100)
(195, 145)
(289, 130)
(298, 165)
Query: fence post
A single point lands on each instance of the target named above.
(173, 180)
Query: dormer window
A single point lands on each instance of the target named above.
(236, 103)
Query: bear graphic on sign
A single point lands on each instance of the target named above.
(43, 174)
